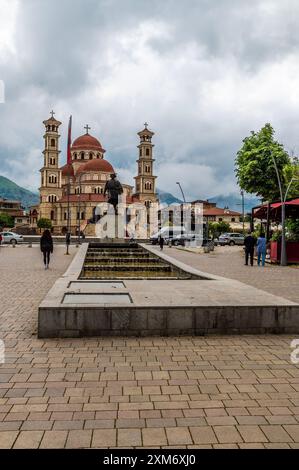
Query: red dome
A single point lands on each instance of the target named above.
(87, 142)
(67, 170)
(96, 165)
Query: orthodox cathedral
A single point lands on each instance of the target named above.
(79, 186)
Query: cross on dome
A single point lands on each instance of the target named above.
(52, 114)
(145, 125)
(87, 128)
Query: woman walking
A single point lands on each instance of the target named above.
(261, 249)
(46, 247)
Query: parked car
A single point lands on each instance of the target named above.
(182, 238)
(11, 237)
(168, 233)
(231, 239)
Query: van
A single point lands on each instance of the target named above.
(168, 233)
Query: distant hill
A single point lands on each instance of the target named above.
(234, 201)
(167, 198)
(10, 190)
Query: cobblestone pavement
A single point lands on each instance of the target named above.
(228, 262)
(187, 392)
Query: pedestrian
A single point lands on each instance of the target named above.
(161, 242)
(249, 243)
(261, 249)
(46, 247)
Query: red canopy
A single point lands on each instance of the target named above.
(261, 211)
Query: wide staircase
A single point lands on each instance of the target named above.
(126, 261)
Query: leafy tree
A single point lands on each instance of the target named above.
(44, 223)
(292, 226)
(255, 170)
(6, 221)
(217, 228)
(291, 172)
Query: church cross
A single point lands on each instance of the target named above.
(52, 114)
(145, 125)
(87, 128)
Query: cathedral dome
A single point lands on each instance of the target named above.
(87, 142)
(97, 165)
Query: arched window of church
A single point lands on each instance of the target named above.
(82, 155)
(147, 152)
(75, 156)
(52, 142)
(140, 152)
(52, 215)
(98, 155)
(90, 156)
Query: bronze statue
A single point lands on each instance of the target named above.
(114, 189)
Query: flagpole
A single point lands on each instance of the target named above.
(69, 162)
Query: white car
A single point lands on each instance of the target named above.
(168, 233)
(11, 237)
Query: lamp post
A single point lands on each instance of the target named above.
(179, 184)
(182, 211)
(79, 210)
(283, 198)
(243, 211)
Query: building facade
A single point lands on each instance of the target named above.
(15, 210)
(77, 188)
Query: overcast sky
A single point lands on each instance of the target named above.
(202, 73)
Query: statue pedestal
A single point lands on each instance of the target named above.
(111, 228)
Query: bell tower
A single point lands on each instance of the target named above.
(50, 188)
(145, 181)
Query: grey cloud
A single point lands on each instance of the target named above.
(202, 72)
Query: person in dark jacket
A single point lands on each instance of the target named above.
(249, 243)
(161, 242)
(46, 247)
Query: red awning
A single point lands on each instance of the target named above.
(293, 202)
(261, 212)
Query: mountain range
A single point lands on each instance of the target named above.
(10, 190)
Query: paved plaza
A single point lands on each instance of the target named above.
(187, 392)
(228, 261)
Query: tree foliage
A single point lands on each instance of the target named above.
(217, 228)
(291, 174)
(255, 169)
(44, 223)
(6, 221)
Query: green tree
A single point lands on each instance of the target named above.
(255, 170)
(44, 223)
(6, 221)
(217, 228)
(291, 175)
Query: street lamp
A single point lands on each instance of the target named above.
(283, 198)
(179, 184)
(243, 210)
(182, 211)
(79, 209)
